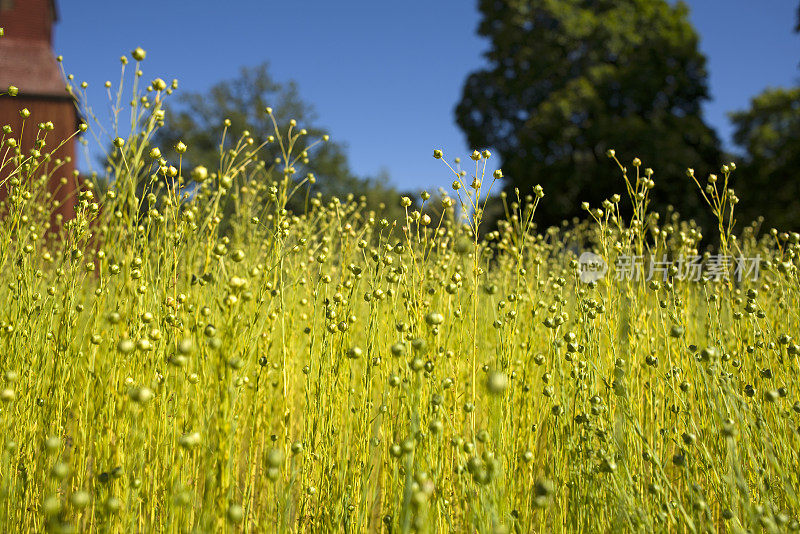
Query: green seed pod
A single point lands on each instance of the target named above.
(52, 444)
(179, 360)
(185, 346)
(51, 506)
(419, 344)
(677, 331)
(496, 382)
(190, 441)
(433, 319)
(138, 54)
(141, 395)
(80, 499)
(60, 471)
(416, 364)
(771, 395)
(435, 427)
(113, 505)
(235, 514)
(275, 458)
(126, 346)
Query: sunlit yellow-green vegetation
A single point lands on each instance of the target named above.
(187, 355)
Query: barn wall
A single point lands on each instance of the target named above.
(31, 20)
(63, 116)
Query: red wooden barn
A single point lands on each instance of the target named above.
(28, 63)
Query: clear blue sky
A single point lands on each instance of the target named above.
(384, 76)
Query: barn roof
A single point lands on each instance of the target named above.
(30, 66)
(26, 59)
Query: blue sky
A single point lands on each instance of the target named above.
(383, 76)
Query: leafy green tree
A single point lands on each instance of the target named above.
(198, 118)
(769, 178)
(567, 80)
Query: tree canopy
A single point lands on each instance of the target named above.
(770, 172)
(566, 80)
(198, 121)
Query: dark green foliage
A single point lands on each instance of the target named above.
(568, 80)
(770, 133)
